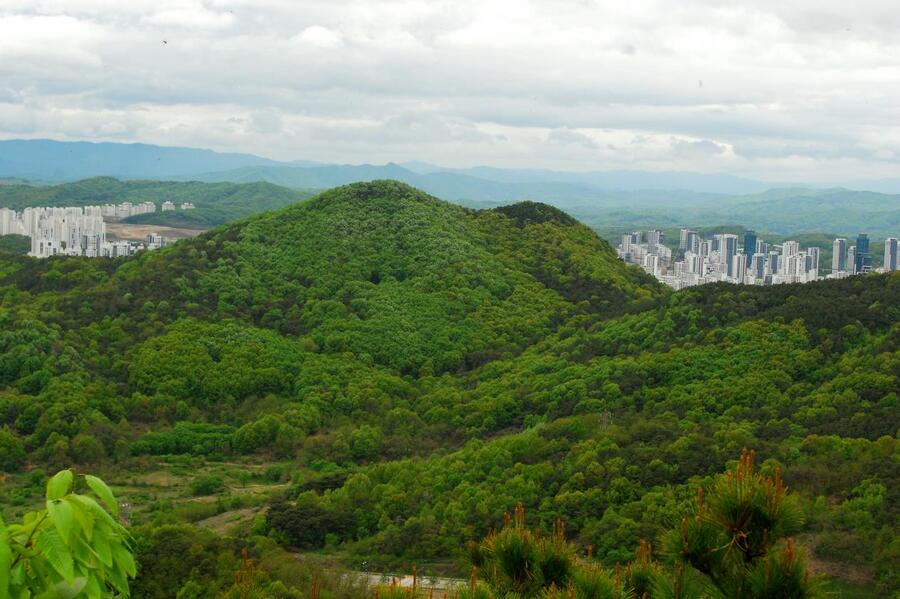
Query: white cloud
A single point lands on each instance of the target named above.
(53, 40)
(321, 37)
(192, 17)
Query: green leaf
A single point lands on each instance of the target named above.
(66, 589)
(84, 519)
(62, 517)
(92, 590)
(103, 492)
(125, 560)
(117, 578)
(51, 545)
(100, 545)
(60, 485)
(99, 513)
(5, 559)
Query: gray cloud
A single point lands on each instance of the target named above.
(567, 136)
(701, 149)
(790, 90)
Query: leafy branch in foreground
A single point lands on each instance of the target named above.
(735, 544)
(738, 536)
(518, 562)
(71, 548)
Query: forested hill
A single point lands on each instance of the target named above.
(380, 375)
(216, 203)
(377, 269)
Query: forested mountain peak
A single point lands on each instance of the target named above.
(536, 212)
(378, 269)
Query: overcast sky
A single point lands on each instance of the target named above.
(782, 90)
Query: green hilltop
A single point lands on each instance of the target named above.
(375, 374)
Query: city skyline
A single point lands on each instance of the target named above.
(80, 230)
(721, 258)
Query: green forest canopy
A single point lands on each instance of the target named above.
(415, 369)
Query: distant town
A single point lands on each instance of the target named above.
(81, 231)
(699, 261)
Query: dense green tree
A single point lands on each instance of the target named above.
(12, 451)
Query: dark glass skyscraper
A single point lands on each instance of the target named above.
(863, 257)
(749, 246)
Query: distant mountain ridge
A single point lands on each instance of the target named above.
(606, 200)
(443, 184)
(56, 161)
(615, 180)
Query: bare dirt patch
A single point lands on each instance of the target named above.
(129, 232)
(222, 522)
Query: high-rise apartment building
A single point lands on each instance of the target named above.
(728, 245)
(790, 248)
(654, 238)
(839, 255)
(774, 266)
(749, 246)
(812, 260)
(890, 254)
(863, 258)
(738, 267)
(758, 268)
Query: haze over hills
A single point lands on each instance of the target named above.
(779, 212)
(55, 161)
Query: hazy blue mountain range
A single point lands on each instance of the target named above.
(776, 211)
(54, 161)
(608, 201)
(608, 180)
(443, 184)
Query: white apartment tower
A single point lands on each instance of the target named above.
(891, 256)
(790, 248)
(738, 267)
(812, 258)
(839, 255)
(728, 245)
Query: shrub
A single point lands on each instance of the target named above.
(207, 485)
(737, 537)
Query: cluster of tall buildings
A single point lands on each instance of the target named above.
(168, 206)
(751, 261)
(856, 259)
(126, 209)
(76, 231)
